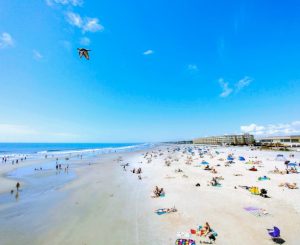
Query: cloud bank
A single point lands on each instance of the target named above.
(272, 129)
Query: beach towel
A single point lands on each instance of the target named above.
(183, 235)
(252, 169)
(258, 212)
(160, 211)
(254, 190)
(165, 211)
(263, 178)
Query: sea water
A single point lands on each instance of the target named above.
(13, 149)
(22, 212)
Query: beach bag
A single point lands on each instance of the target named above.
(185, 242)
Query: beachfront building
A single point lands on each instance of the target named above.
(234, 139)
(290, 141)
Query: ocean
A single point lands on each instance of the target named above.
(8, 149)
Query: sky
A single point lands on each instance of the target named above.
(158, 70)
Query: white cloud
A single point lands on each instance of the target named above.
(86, 24)
(37, 55)
(92, 25)
(192, 67)
(74, 19)
(6, 40)
(252, 128)
(238, 86)
(243, 83)
(226, 90)
(65, 2)
(85, 41)
(148, 52)
(272, 129)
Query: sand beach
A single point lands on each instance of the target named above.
(99, 201)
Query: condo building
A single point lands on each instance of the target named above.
(235, 139)
(291, 141)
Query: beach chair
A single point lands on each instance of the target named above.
(274, 233)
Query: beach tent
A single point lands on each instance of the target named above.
(241, 158)
(280, 157)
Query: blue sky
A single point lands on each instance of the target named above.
(159, 70)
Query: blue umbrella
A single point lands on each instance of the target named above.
(204, 163)
(241, 158)
(292, 164)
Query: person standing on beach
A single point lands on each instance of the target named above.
(18, 186)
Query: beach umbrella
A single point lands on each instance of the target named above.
(204, 163)
(241, 158)
(229, 158)
(292, 164)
